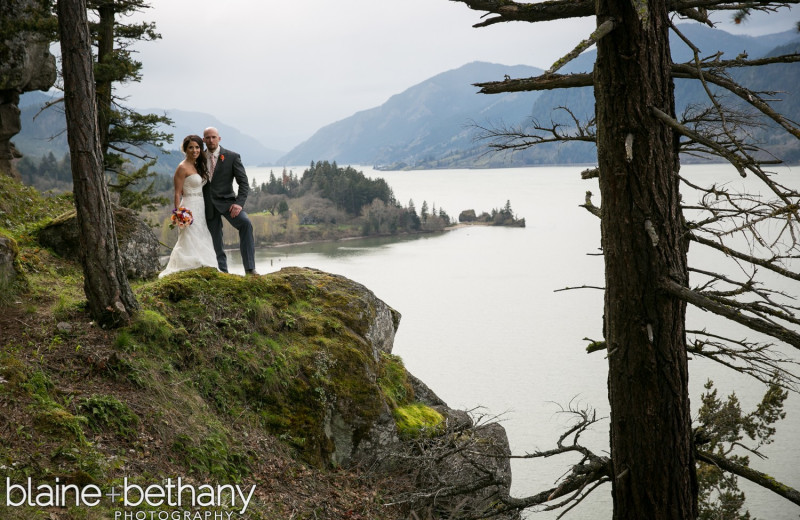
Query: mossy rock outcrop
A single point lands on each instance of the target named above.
(11, 277)
(222, 378)
(138, 246)
(308, 354)
(301, 349)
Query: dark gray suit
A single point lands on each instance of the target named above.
(219, 196)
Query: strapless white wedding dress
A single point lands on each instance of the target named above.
(194, 247)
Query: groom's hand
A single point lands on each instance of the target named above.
(235, 210)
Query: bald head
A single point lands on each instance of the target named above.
(211, 138)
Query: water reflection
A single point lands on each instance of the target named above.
(335, 249)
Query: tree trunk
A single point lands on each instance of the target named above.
(105, 55)
(643, 244)
(111, 301)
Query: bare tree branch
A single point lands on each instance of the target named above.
(509, 11)
(544, 82)
(767, 264)
(742, 61)
(732, 313)
(683, 130)
(591, 208)
(690, 72)
(762, 479)
(519, 138)
(605, 28)
(584, 477)
(760, 361)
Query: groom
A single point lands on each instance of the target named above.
(223, 167)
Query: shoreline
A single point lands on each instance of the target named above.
(453, 227)
(342, 239)
(460, 225)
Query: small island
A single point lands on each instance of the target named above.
(497, 217)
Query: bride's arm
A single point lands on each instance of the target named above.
(177, 181)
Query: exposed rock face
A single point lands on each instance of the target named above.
(378, 444)
(484, 458)
(137, 243)
(9, 274)
(356, 436)
(25, 65)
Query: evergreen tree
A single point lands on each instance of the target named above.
(128, 140)
(48, 167)
(507, 209)
(645, 237)
(124, 133)
(348, 188)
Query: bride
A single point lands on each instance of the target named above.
(194, 247)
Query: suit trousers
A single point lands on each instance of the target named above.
(246, 242)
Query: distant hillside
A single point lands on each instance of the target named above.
(428, 125)
(427, 121)
(433, 124)
(44, 131)
(251, 150)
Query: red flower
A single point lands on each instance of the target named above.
(221, 157)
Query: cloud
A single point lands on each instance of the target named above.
(281, 70)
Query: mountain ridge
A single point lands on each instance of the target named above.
(43, 131)
(456, 147)
(419, 117)
(437, 122)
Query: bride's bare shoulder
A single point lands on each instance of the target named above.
(184, 169)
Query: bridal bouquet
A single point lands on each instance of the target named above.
(181, 217)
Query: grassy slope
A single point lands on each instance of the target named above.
(219, 379)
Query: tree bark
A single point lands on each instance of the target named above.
(111, 300)
(651, 448)
(105, 55)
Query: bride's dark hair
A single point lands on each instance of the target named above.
(200, 163)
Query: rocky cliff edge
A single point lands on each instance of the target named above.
(286, 381)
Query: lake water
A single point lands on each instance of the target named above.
(483, 322)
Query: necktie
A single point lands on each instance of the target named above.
(213, 165)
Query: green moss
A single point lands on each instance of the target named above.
(13, 282)
(594, 346)
(64, 217)
(50, 416)
(393, 380)
(278, 349)
(106, 412)
(38, 385)
(124, 340)
(151, 328)
(417, 420)
(12, 371)
(4, 233)
(212, 455)
(23, 209)
(57, 421)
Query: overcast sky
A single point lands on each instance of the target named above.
(280, 70)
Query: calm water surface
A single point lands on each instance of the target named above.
(484, 326)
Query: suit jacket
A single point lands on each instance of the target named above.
(219, 192)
